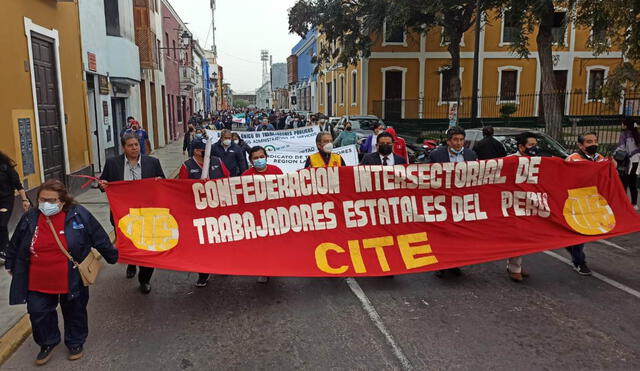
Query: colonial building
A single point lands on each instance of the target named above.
(112, 70)
(302, 80)
(43, 106)
(407, 75)
(147, 16)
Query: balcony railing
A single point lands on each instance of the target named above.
(187, 77)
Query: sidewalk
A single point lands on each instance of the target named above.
(170, 157)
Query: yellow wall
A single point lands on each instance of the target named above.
(16, 95)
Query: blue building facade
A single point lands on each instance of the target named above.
(303, 87)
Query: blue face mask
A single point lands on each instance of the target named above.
(260, 163)
(456, 152)
(198, 136)
(49, 209)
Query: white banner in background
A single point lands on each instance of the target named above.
(301, 140)
(289, 162)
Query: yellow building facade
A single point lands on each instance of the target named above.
(43, 95)
(403, 78)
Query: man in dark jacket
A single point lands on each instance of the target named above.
(384, 155)
(230, 153)
(453, 151)
(132, 166)
(489, 147)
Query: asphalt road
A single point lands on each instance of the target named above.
(555, 320)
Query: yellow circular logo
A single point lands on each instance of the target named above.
(150, 229)
(587, 212)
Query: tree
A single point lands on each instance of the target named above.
(353, 25)
(241, 103)
(614, 24)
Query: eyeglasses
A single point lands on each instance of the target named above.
(49, 200)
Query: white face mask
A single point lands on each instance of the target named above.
(236, 141)
(327, 148)
(226, 142)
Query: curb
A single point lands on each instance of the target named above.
(13, 338)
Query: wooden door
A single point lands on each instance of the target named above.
(560, 81)
(46, 79)
(393, 95)
(164, 114)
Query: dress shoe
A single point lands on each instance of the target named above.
(75, 353)
(263, 280)
(145, 288)
(45, 354)
(524, 273)
(517, 277)
(131, 271)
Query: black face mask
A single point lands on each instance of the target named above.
(592, 150)
(533, 151)
(385, 149)
(348, 128)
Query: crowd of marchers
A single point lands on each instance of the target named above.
(56, 234)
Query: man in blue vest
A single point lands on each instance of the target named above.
(192, 169)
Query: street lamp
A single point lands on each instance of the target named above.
(186, 38)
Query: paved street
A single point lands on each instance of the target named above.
(482, 320)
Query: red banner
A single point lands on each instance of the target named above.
(369, 220)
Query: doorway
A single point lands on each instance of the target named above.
(393, 95)
(329, 100)
(46, 81)
(560, 81)
(154, 117)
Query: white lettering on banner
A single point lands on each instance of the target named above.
(525, 204)
(301, 140)
(290, 161)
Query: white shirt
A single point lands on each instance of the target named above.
(132, 172)
(390, 160)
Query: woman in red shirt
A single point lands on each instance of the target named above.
(43, 277)
(259, 166)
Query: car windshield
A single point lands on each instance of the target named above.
(548, 147)
(364, 124)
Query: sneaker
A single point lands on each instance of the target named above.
(583, 270)
(45, 354)
(75, 353)
(202, 282)
(517, 277)
(263, 279)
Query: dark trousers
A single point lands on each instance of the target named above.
(144, 275)
(5, 203)
(577, 254)
(44, 317)
(630, 182)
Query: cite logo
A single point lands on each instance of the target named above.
(587, 212)
(150, 229)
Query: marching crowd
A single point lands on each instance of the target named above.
(45, 277)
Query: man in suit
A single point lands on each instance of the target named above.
(325, 126)
(232, 155)
(132, 166)
(453, 151)
(384, 154)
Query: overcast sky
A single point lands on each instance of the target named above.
(243, 28)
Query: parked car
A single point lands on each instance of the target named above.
(334, 121)
(361, 125)
(549, 147)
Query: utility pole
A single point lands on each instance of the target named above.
(213, 28)
(476, 66)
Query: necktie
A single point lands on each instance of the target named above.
(384, 161)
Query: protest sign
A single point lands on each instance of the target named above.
(290, 161)
(302, 140)
(369, 220)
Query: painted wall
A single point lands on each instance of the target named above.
(18, 100)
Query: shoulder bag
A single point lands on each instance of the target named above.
(89, 267)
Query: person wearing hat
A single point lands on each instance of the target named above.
(192, 169)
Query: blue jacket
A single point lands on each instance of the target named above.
(82, 232)
(441, 154)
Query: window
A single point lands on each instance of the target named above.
(341, 89)
(508, 85)
(322, 93)
(112, 17)
(335, 96)
(354, 87)
(175, 54)
(595, 82)
(447, 94)
(509, 27)
(559, 27)
(393, 35)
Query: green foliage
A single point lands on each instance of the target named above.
(241, 103)
(508, 109)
